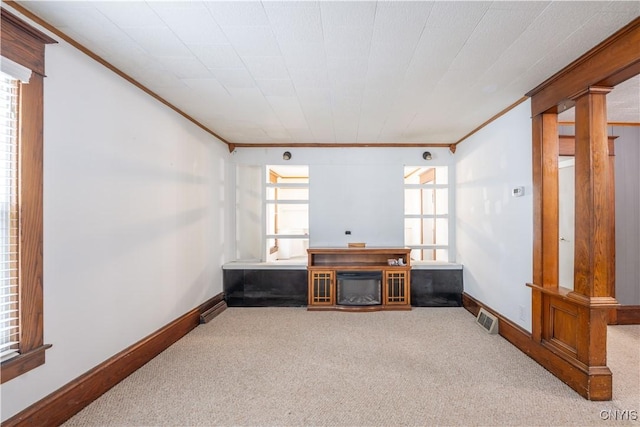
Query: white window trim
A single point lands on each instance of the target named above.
(450, 216)
(265, 237)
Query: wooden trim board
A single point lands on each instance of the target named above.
(627, 315)
(70, 399)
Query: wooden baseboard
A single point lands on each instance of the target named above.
(626, 315)
(67, 401)
(576, 375)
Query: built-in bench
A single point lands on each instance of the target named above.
(284, 284)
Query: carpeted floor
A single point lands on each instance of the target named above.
(288, 366)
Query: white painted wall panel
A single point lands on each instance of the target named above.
(356, 189)
(494, 229)
(134, 212)
(364, 199)
(248, 212)
(627, 214)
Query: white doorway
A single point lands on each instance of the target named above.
(566, 220)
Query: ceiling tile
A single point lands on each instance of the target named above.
(69, 13)
(253, 41)
(347, 133)
(238, 13)
(300, 24)
(217, 56)
(185, 68)
(269, 4)
(400, 22)
(348, 13)
(233, 77)
(309, 77)
(315, 97)
(190, 21)
(301, 135)
(494, 34)
(278, 134)
(351, 67)
(457, 14)
(273, 87)
(345, 41)
(627, 7)
(130, 56)
(266, 67)
(303, 55)
(288, 110)
(207, 87)
(129, 14)
(158, 41)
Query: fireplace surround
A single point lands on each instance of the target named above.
(359, 279)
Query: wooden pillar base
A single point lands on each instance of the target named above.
(574, 329)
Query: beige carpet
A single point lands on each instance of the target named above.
(291, 367)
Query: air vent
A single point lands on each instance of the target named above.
(488, 321)
(213, 312)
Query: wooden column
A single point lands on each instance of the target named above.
(545, 227)
(592, 233)
(593, 230)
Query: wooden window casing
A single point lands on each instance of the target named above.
(24, 44)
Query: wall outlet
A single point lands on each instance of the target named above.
(521, 312)
(517, 192)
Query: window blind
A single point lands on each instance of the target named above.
(9, 286)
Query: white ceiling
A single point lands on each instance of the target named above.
(340, 71)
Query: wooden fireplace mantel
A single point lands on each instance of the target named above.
(324, 264)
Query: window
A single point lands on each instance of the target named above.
(272, 212)
(426, 212)
(286, 212)
(23, 46)
(9, 302)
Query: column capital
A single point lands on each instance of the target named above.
(592, 90)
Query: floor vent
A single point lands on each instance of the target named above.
(208, 315)
(488, 321)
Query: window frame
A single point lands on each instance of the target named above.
(433, 185)
(268, 183)
(25, 45)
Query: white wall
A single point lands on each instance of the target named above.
(248, 196)
(627, 148)
(134, 220)
(355, 189)
(366, 200)
(494, 229)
